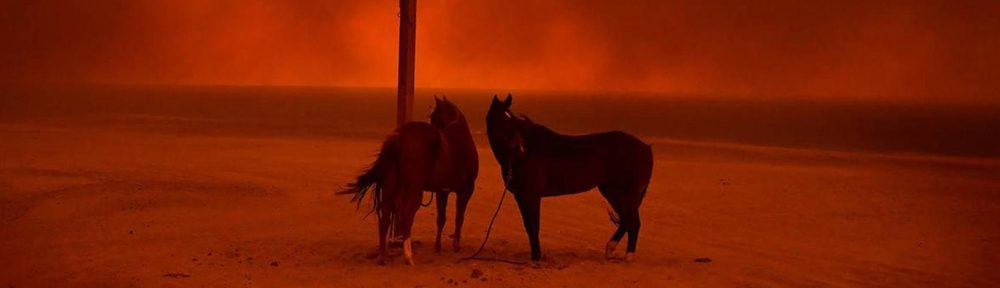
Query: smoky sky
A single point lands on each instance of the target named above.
(895, 50)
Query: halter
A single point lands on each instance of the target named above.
(520, 146)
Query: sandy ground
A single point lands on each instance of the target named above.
(120, 208)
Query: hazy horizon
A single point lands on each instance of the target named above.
(955, 130)
(425, 91)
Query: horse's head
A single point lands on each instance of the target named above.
(445, 113)
(505, 137)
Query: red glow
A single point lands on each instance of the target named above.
(910, 50)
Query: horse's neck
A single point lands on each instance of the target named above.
(461, 122)
(457, 130)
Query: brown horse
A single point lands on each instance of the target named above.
(439, 157)
(536, 162)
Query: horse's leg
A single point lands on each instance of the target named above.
(463, 197)
(633, 233)
(609, 249)
(408, 250)
(411, 204)
(614, 200)
(529, 206)
(407, 247)
(442, 205)
(633, 221)
(643, 174)
(383, 231)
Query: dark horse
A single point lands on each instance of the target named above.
(536, 162)
(439, 157)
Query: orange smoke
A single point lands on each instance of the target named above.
(904, 50)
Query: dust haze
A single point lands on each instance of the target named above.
(183, 143)
(925, 51)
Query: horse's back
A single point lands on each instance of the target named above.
(626, 147)
(418, 144)
(611, 145)
(581, 162)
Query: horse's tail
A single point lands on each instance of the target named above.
(373, 178)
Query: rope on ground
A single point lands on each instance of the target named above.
(475, 256)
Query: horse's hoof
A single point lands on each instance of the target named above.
(408, 251)
(381, 257)
(609, 250)
(537, 257)
(630, 257)
(410, 262)
(437, 247)
(456, 245)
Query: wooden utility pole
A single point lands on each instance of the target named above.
(407, 53)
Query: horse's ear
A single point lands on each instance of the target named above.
(445, 98)
(495, 100)
(507, 101)
(436, 100)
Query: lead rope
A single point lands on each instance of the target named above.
(489, 228)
